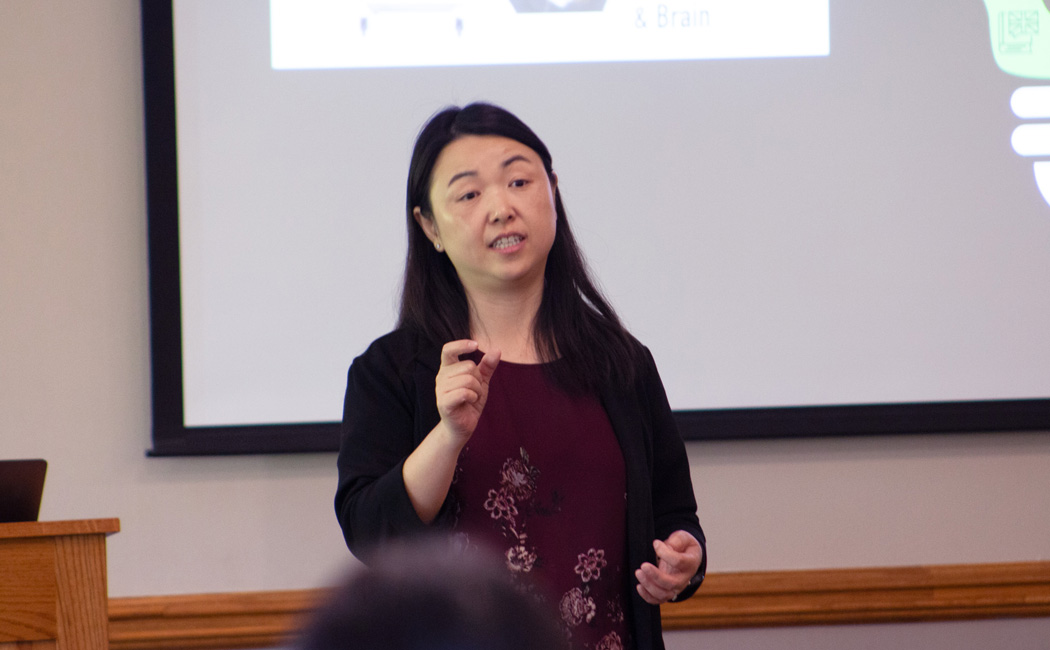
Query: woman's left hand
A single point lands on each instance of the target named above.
(679, 559)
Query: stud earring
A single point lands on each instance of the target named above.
(437, 246)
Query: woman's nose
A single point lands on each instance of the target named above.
(501, 211)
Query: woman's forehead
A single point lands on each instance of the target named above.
(474, 153)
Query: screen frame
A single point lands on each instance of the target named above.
(171, 437)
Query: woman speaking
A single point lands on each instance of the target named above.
(510, 409)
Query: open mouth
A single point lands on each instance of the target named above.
(507, 241)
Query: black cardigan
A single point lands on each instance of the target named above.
(390, 407)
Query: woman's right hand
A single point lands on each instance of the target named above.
(462, 387)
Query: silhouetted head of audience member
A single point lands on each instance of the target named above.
(429, 596)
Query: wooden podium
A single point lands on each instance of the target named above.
(53, 592)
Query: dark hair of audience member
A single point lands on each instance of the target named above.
(430, 597)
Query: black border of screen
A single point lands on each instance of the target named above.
(172, 438)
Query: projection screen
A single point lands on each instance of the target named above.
(823, 217)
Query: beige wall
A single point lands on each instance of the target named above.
(74, 383)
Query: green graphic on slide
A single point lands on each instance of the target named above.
(1020, 31)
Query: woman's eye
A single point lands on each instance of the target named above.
(521, 182)
(468, 196)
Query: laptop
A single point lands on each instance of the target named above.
(21, 488)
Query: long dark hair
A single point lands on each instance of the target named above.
(575, 322)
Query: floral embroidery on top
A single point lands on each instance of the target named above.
(610, 641)
(501, 505)
(590, 565)
(517, 485)
(519, 558)
(576, 607)
(517, 478)
(508, 507)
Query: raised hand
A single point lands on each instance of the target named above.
(462, 387)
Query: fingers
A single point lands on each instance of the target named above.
(682, 541)
(461, 386)
(678, 558)
(458, 388)
(458, 379)
(655, 586)
(457, 374)
(451, 361)
(452, 364)
(488, 364)
(680, 554)
(651, 598)
(453, 350)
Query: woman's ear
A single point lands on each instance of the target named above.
(429, 227)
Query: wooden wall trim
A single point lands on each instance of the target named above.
(750, 599)
(208, 621)
(877, 595)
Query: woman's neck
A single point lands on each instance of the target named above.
(505, 321)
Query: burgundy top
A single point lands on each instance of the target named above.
(542, 481)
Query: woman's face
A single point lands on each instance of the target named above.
(493, 212)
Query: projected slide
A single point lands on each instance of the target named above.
(1020, 34)
(1020, 47)
(861, 228)
(412, 33)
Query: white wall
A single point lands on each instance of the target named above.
(74, 346)
(74, 389)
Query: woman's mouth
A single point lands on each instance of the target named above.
(506, 241)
